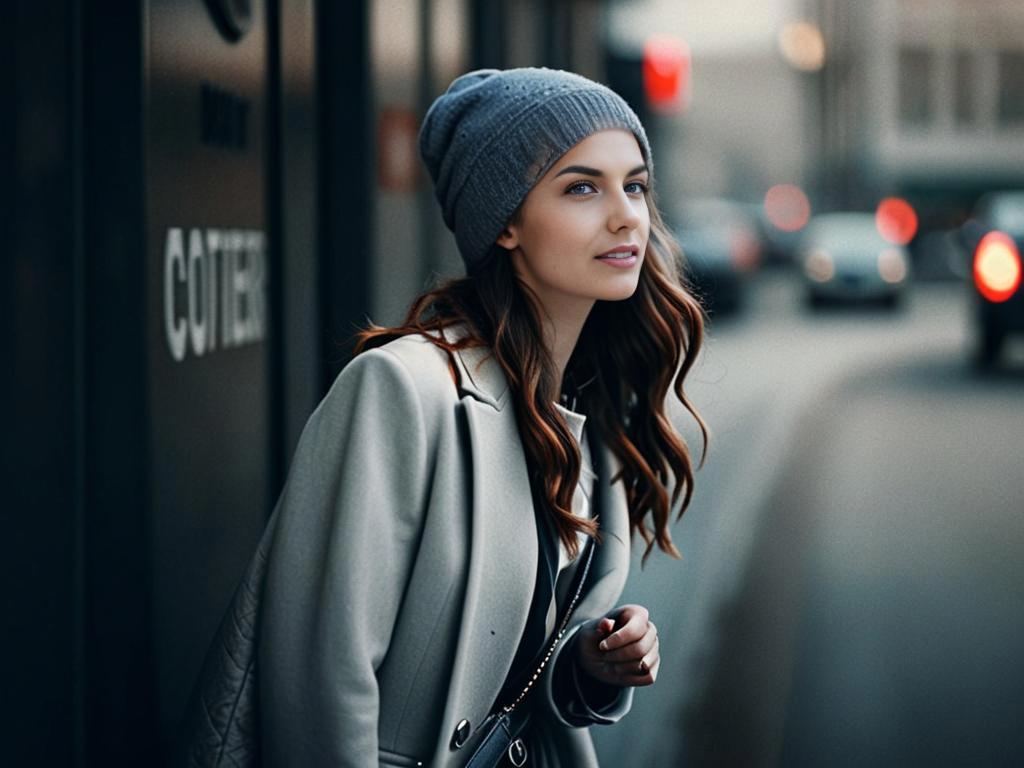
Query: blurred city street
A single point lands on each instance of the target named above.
(852, 590)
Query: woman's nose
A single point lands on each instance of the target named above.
(624, 213)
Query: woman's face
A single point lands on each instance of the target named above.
(583, 228)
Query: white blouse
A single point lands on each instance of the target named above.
(581, 507)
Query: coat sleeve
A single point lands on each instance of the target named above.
(576, 702)
(349, 522)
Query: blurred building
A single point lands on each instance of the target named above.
(201, 202)
(942, 84)
(851, 100)
(748, 123)
(923, 99)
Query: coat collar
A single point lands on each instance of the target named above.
(482, 377)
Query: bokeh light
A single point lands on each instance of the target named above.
(997, 269)
(819, 266)
(787, 207)
(802, 45)
(892, 266)
(896, 220)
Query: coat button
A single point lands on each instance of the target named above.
(461, 735)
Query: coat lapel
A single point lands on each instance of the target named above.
(503, 544)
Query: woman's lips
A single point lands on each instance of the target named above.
(621, 262)
(620, 257)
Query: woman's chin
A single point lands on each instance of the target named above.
(622, 290)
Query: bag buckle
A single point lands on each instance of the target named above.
(517, 753)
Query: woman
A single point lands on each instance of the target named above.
(434, 532)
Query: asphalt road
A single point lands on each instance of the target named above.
(852, 588)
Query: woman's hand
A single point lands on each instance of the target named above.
(621, 648)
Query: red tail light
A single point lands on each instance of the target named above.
(997, 269)
(896, 220)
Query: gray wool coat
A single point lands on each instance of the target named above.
(400, 565)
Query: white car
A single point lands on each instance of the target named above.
(843, 257)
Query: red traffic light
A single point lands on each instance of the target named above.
(666, 71)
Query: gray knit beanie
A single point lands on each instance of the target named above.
(494, 133)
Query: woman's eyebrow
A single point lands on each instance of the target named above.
(586, 171)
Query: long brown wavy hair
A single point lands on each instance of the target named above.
(629, 354)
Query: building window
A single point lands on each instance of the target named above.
(1011, 87)
(965, 93)
(916, 107)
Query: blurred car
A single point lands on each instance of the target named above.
(779, 247)
(843, 257)
(994, 237)
(720, 250)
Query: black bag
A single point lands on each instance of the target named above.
(502, 743)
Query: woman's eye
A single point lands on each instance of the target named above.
(587, 187)
(581, 188)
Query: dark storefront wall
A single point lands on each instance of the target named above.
(41, 448)
(208, 320)
(142, 456)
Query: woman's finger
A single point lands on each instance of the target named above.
(634, 651)
(634, 628)
(632, 676)
(639, 664)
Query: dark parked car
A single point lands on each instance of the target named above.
(720, 250)
(994, 237)
(779, 247)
